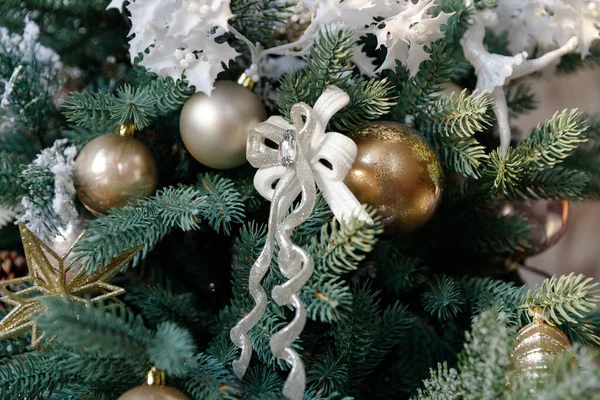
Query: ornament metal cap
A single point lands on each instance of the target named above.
(156, 377)
(246, 81)
(127, 129)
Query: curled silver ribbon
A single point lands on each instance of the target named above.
(297, 172)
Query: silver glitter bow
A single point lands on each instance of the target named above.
(307, 155)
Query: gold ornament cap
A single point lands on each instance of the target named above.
(127, 129)
(246, 81)
(156, 377)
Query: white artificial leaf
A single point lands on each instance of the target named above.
(365, 64)
(118, 4)
(200, 15)
(412, 27)
(355, 13)
(178, 37)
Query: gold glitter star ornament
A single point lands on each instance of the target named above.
(48, 277)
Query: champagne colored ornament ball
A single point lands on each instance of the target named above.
(548, 218)
(113, 170)
(537, 346)
(153, 392)
(215, 128)
(397, 172)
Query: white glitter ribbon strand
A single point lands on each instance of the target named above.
(318, 158)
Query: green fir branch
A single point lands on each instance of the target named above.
(506, 171)
(88, 109)
(550, 143)
(135, 105)
(557, 183)
(148, 221)
(520, 99)
(398, 272)
(209, 379)
(117, 332)
(11, 190)
(327, 374)
(337, 250)
(368, 101)
(170, 95)
(456, 116)
(444, 299)
(566, 299)
(30, 373)
(328, 63)
(157, 305)
(465, 156)
(224, 204)
(414, 93)
(260, 382)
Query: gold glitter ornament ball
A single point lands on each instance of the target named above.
(153, 392)
(113, 170)
(214, 128)
(537, 346)
(397, 172)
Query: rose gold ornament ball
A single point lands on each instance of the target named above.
(397, 172)
(547, 217)
(113, 170)
(153, 392)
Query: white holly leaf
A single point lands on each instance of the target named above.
(199, 58)
(201, 15)
(149, 22)
(412, 27)
(118, 4)
(355, 13)
(179, 38)
(365, 64)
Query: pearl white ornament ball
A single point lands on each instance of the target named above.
(214, 128)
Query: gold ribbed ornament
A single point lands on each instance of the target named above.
(537, 346)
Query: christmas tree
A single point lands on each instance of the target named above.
(270, 199)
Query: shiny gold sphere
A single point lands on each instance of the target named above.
(215, 128)
(154, 392)
(397, 172)
(112, 170)
(537, 346)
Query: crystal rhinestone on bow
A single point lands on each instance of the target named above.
(288, 148)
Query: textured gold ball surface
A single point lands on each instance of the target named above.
(537, 346)
(397, 172)
(154, 392)
(215, 129)
(112, 170)
(548, 219)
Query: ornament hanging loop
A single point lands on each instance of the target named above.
(156, 377)
(127, 129)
